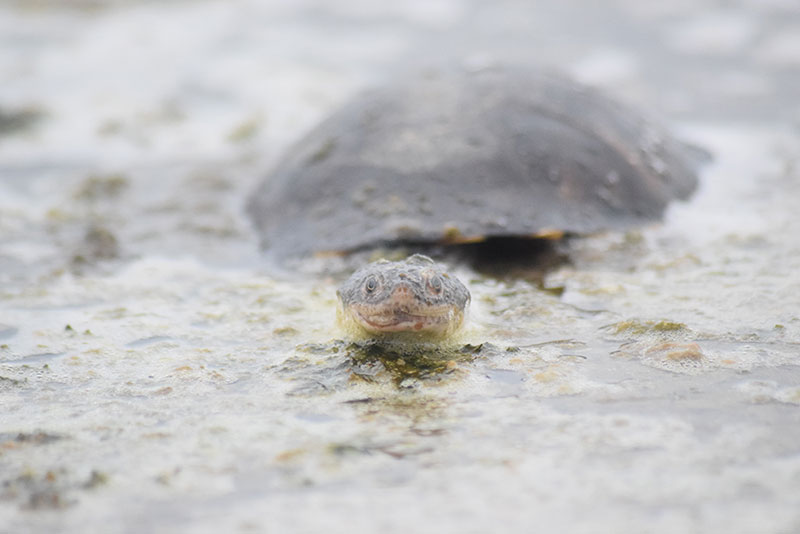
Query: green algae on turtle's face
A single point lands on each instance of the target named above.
(408, 301)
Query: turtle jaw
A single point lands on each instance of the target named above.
(435, 321)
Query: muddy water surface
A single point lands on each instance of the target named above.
(157, 375)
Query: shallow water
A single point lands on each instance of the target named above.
(155, 376)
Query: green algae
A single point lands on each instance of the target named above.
(638, 328)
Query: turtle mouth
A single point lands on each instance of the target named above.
(439, 320)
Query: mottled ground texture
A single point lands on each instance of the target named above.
(157, 376)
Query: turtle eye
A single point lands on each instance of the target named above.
(371, 284)
(435, 284)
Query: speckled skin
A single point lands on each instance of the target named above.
(412, 296)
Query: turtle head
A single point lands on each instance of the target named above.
(412, 296)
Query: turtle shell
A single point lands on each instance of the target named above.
(459, 156)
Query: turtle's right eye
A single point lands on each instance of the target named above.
(435, 284)
(371, 284)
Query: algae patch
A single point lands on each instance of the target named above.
(17, 121)
(98, 187)
(333, 366)
(676, 352)
(638, 328)
(53, 489)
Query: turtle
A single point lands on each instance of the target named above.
(415, 296)
(454, 156)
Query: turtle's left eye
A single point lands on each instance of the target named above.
(435, 284)
(371, 284)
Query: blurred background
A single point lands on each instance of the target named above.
(110, 87)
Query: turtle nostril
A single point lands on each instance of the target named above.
(402, 291)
